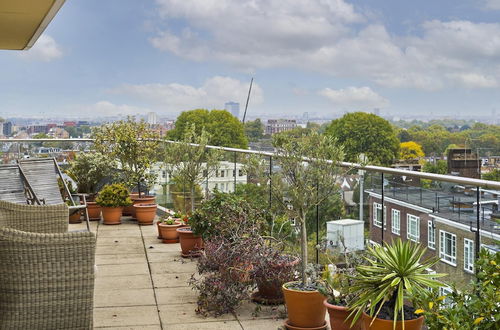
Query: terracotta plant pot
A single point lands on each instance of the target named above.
(339, 317)
(140, 200)
(291, 327)
(111, 215)
(94, 211)
(75, 217)
(380, 324)
(169, 233)
(305, 308)
(145, 213)
(191, 244)
(128, 210)
(270, 292)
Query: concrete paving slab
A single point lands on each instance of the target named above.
(160, 247)
(138, 327)
(119, 240)
(119, 233)
(182, 295)
(228, 325)
(126, 316)
(171, 280)
(124, 297)
(168, 256)
(120, 249)
(117, 259)
(172, 267)
(121, 282)
(252, 311)
(121, 270)
(262, 324)
(122, 226)
(180, 314)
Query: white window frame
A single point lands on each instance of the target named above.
(468, 255)
(448, 258)
(431, 235)
(413, 237)
(396, 214)
(376, 222)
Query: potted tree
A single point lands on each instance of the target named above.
(306, 162)
(112, 198)
(136, 147)
(89, 170)
(396, 273)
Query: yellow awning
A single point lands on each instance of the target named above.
(23, 21)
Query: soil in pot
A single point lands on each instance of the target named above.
(339, 317)
(191, 244)
(145, 213)
(75, 217)
(169, 233)
(305, 308)
(111, 215)
(94, 211)
(384, 320)
(269, 291)
(140, 200)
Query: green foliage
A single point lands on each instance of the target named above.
(439, 167)
(114, 195)
(298, 180)
(332, 208)
(493, 175)
(475, 309)
(89, 170)
(395, 273)
(254, 130)
(361, 132)
(410, 150)
(135, 147)
(223, 128)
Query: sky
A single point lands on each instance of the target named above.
(326, 57)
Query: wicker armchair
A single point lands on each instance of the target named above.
(46, 280)
(34, 218)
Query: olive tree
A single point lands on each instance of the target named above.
(134, 145)
(305, 163)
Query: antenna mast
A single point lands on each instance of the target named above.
(248, 98)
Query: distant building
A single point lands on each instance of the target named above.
(36, 129)
(7, 128)
(152, 118)
(58, 133)
(233, 108)
(69, 123)
(82, 123)
(464, 162)
(274, 126)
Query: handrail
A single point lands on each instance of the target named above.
(371, 168)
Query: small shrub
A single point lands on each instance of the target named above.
(114, 195)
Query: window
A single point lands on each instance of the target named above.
(448, 247)
(445, 291)
(431, 235)
(396, 221)
(234, 173)
(413, 228)
(222, 173)
(377, 215)
(468, 255)
(240, 172)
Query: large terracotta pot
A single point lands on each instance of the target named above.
(140, 200)
(94, 211)
(191, 244)
(380, 324)
(339, 317)
(305, 308)
(128, 210)
(75, 217)
(169, 233)
(269, 291)
(145, 213)
(111, 215)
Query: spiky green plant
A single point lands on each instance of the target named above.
(394, 274)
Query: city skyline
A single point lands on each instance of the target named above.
(326, 57)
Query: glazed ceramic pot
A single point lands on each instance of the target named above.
(94, 211)
(145, 213)
(305, 308)
(339, 317)
(191, 244)
(169, 233)
(111, 215)
(381, 324)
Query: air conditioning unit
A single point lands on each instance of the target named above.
(350, 230)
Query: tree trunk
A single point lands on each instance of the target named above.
(303, 242)
(192, 199)
(139, 188)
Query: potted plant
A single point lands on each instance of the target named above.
(168, 230)
(89, 170)
(145, 213)
(308, 176)
(112, 198)
(396, 273)
(168, 213)
(191, 244)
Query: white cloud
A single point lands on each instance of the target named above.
(492, 4)
(104, 109)
(45, 49)
(354, 98)
(333, 37)
(176, 97)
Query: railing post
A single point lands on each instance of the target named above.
(317, 223)
(478, 229)
(382, 201)
(235, 158)
(270, 182)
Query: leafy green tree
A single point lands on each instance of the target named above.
(440, 167)
(222, 127)
(493, 175)
(254, 130)
(89, 170)
(133, 145)
(404, 136)
(361, 132)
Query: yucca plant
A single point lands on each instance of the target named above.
(395, 273)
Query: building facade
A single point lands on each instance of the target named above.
(274, 126)
(233, 108)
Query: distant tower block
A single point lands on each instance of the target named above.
(152, 119)
(233, 108)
